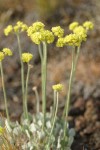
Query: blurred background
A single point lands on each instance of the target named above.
(85, 99)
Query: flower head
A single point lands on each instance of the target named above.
(58, 31)
(1, 56)
(88, 25)
(24, 27)
(20, 27)
(73, 25)
(72, 40)
(38, 34)
(30, 31)
(7, 51)
(47, 36)
(81, 33)
(37, 26)
(8, 30)
(60, 42)
(36, 37)
(43, 35)
(57, 87)
(26, 57)
(16, 29)
(19, 23)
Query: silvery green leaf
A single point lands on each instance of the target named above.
(70, 141)
(39, 116)
(68, 148)
(30, 146)
(48, 115)
(58, 126)
(27, 133)
(52, 139)
(61, 132)
(41, 134)
(58, 144)
(72, 132)
(16, 131)
(8, 126)
(32, 127)
(40, 123)
(25, 122)
(48, 124)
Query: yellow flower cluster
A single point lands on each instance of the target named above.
(73, 25)
(1, 130)
(60, 42)
(58, 31)
(1, 56)
(57, 87)
(26, 57)
(19, 27)
(72, 40)
(47, 36)
(38, 34)
(36, 27)
(36, 37)
(88, 25)
(7, 52)
(79, 34)
(8, 30)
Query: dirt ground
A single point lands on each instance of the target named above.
(85, 99)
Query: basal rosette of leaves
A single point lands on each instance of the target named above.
(35, 137)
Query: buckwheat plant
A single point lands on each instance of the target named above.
(43, 130)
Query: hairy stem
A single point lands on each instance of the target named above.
(54, 106)
(26, 92)
(73, 70)
(44, 80)
(22, 72)
(40, 52)
(66, 110)
(4, 92)
(37, 100)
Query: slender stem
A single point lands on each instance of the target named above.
(66, 110)
(54, 105)
(26, 92)
(76, 60)
(4, 92)
(54, 119)
(73, 70)
(37, 100)
(22, 71)
(55, 114)
(44, 80)
(40, 51)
